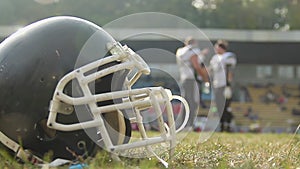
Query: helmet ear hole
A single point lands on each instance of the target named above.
(81, 145)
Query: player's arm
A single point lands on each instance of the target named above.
(229, 76)
(199, 69)
(229, 69)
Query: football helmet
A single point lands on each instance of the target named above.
(66, 88)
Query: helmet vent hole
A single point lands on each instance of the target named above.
(81, 145)
(42, 80)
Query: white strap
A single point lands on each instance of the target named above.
(9, 143)
(24, 155)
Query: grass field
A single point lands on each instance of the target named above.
(222, 150)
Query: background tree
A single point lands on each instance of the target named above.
(229, 14)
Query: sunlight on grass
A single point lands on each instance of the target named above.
(222, 150)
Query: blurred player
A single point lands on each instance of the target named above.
(203, 86)
(222, 65)
(188, 62)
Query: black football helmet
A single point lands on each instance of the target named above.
(65, 88)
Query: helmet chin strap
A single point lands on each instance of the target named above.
(27, 156)
(24, 155)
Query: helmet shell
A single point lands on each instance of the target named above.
(32, 61)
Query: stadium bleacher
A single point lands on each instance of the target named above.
(272, 116)
(269, 116)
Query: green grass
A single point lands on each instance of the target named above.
(241, 151)
(222, 150)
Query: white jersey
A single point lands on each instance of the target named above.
(183, 57)
(218, 64)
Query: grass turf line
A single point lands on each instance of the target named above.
(222, 150)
